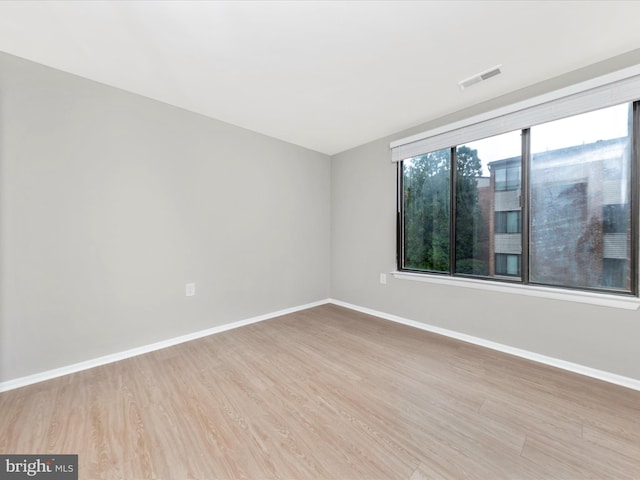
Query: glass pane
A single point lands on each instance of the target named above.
(500, 222)
(501, 179)
(580, 212)
(513, 222)
(488, 204)
(507, 264)
(426, 202)
(513, 177)
(513, 265)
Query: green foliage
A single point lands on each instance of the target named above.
(472, 266)
(468, 219)
(426, 211)
(426, 181)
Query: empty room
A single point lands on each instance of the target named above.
(319, 240)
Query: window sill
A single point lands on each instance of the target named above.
(602, 299)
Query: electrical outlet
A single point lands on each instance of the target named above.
(383, 278)
(190, 289)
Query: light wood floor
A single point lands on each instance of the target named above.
(328, 393)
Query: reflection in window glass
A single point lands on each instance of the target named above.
(488, 204)
(580, 193)
(426, 208)
(615, 218)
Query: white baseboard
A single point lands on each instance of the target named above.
(554, 362)
(96, 362)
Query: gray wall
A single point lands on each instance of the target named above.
(363, 195)
(111, 202)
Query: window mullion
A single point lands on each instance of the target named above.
(634, 192)
(524, 204)
(399, 219)
(452, 210)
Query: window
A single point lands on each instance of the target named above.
(476, 199)
(508, 222)
(577, 199)
(507, 175)
(507, 264)
(549, 204)
(615, 218)
(615, 272)
(426, 207)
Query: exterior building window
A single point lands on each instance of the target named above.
(507, 265)
(548, 205)
(614, 272)
(508, 176)
(508, 222)
(615, 218)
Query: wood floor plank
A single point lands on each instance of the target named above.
(328, 393)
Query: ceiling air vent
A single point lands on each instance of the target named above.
(479, 77)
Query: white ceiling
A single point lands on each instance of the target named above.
(327, 75)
